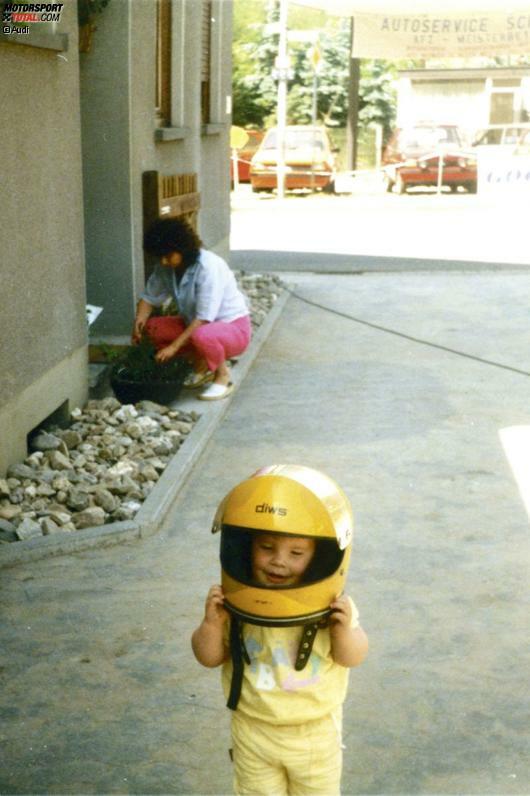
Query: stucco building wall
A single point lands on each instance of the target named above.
(78, 132)
(43, 329)
(120, 142)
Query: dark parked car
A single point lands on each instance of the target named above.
(412, 157)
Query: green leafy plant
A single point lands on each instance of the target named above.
(137, 363)
(109, 353)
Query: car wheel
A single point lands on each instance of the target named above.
(471, 187)
(329, 188)
(400, 185)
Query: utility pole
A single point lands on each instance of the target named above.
(353, 107)
(282, 68)
(315, 57)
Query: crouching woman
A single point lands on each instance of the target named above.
(213, 323)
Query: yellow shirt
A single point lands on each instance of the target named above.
(273, 690)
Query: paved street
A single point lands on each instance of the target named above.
(372, 230)
(101, 693)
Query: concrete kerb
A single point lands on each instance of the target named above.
(155, 507)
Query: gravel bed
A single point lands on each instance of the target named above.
(262, 290)
(102, 467)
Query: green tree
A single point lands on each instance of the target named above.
(253, 86)
(332, 79)
(377, 95)
(255, 89)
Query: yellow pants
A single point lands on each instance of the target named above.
(293, 760)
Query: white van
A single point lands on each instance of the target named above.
(508, 136)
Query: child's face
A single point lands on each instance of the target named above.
(280, 560)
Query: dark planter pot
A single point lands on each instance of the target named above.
(128, 391)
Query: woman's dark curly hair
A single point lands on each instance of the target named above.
(173, 235)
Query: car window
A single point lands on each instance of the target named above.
(303, 138)
(488, 137)
(508, 135)
(427, 137)
(295, 139)
(511, 135)
(254, 140)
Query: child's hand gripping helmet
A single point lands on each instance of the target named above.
(296, 501)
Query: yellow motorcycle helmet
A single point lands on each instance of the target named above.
(291, 500)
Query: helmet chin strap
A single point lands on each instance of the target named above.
(240, 656)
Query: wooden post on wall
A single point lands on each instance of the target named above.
(168, 196)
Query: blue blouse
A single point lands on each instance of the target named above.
(208, 290)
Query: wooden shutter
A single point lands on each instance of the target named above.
(163, 62)
(206, 45)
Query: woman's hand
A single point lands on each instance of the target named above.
(171, 350)
(143, 312)
(167, 353)
(137, 331)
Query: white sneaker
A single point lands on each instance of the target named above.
(215, 392)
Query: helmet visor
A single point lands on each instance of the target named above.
(236, 557)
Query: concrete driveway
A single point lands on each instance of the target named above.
(101, 693)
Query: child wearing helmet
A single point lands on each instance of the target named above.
(282, 629)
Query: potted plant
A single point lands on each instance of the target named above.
(136, 376)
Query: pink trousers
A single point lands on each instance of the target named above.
(214, 342)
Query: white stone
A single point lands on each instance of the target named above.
(60, 517)
(126, 412)
(28, 529)
(122, 468)
(35, 459)
(147, 424)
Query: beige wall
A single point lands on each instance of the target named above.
(449, 101)
(42, 299)
(77, 136)
(464, 97)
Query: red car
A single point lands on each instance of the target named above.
(412, 157)
(244, 155)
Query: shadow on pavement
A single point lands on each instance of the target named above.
(256, 260)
